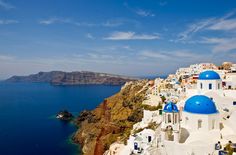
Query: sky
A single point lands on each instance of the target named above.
(132, 37)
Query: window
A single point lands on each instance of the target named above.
(234, 102)
(135, 146)
(169, 118)
(210, 86)
(199, 124)
(176, 116)
(163, 118)
(201, 85)
(218, 86)
(213, 124)
(149, 139)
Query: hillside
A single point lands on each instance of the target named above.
(72, 78)
(112, 120)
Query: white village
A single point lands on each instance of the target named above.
(198, 114)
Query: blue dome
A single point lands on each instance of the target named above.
(200, 104)
(209, 75)
(170, 107)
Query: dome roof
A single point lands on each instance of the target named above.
(200, 104)
(209, 75)
(170, 107)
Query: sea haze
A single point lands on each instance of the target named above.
(28, 125)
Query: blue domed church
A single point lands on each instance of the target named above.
(209, 81)
(200, 114)
(170, 126)
(193, 130)
(195, 127)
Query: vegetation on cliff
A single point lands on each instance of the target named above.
(112, 120)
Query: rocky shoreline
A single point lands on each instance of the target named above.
(64, 115)
(112, 120)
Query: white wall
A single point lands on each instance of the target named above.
(230, 80)
(145, 133)
(183, 149)
(207, 121)
(150, 116)
(216, 85)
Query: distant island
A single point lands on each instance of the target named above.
(73, 78)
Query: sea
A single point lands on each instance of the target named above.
(27, 116)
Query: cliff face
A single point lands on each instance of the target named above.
(112, 120)
(72, 78)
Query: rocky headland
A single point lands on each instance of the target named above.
(112, 120)
(72, 78)
(64, 115)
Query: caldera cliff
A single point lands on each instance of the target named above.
(72, 78)
(112, 120)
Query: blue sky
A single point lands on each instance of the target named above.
(135, 37)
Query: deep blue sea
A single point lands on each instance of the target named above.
(27, 110)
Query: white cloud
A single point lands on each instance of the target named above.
(151, 54)
(219, 44)
(225, 23)
(140, 12)
(193, 28)
(212, 40)
(6, 5)
(113, 23)
(225, 45)
(6, 58)
(108, 63)
(55, 20)
(144, 13)
(90, 36)
(84, 24)
(182, 54)
(131, 36)
(138, 62)
(108, 23)
(116, 22)
(47, 22)
(175, 55)
(6, 22)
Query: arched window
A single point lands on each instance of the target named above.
(169, 118)
(210, 86)
(218, 86)
(201, 85)
(199, 124)
(176, 118)
(213, 124)
(135, 146)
